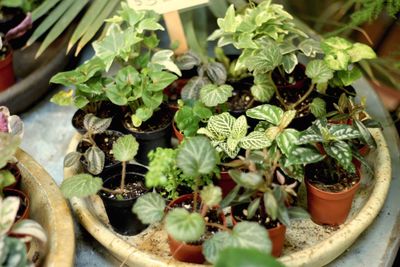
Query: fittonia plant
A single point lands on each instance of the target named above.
(197, 157)
(228, 135)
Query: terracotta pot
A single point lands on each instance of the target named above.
(226, 183)
(182, 251)
(327, 207)
(177, 133)
(7, 77)
(23, 211)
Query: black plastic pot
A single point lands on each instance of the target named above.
(150, 140)
(119, 212)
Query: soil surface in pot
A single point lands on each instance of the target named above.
(342, 181)
(240, 100)
(160, 119)
(239, 213)
(106, 110)
(132, 190)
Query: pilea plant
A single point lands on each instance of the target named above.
(131, 41)
(83, 185)
(13, 251)
(94, 156)
(197, 157)
(189, 116)
(228, 135)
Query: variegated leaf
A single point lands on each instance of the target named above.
(287, 118)
(96, 125)
(365, 134)
(185, 226)
(191, 90)
(270, 204)
(266, 112)
(263, 88)
(72, 158)
(207, 133)
(272, 132)
(303, 155)
(287, 140)
(216, 72)
(95, 158)
(232, 143)
(294, 171)
(340, 151)
(239, 128)
(229, 152)
(212, 95)
(8, 211)
(188, 61)
(289, 62)
(213, 246)
(309, 137)
(164, 58)
(30, 228)
(255, 140)
(221, 125)
(343, 132)
(250, 235)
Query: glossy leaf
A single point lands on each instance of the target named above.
(185, 226)
(81, 185)
(269, 113)
(149, 208)
(95, 158)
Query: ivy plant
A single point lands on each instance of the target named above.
(143, 72)
(229, 134)
(94, 156)
(84, 184)
(197, 157)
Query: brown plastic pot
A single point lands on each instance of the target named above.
(327, 208)
(177, 133)
(7, 77)
(226, 183)
(182, 251)
(23, 211)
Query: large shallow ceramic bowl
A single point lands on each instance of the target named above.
(307, 244)
(50, 209)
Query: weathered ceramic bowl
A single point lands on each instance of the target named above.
(307, 244)
(49, 208)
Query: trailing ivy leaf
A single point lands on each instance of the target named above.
(269, 113)
(361, 51)
(164, 58)
(149, 24)
(81, 185)
(340, 151)
(212, 95)
(228, 23)
(72, 158)
(188, 61)
(318, 107)
(255, 140)
(337, 60)
(265, 59)
(243, 257)
(185, 226)
(125, 148)
(252, 208)
(318, 71)
(63, 98)
(211, 195)
(95, 159)
(250, 235)
(96, 125)
(310, 47)
(263, 88)
(191, 91)
(196, 157)
(213, 246)
(287, 140)
(335, 43)
(349, 76)
(216, 72)
(247, 180)
(289, 62)
(149, 208)
(271, 205)
(304, 155)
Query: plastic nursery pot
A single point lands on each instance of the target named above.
(23, 210)
(177, 133)
(156, 132)
(226, 183)
(276, 235)
(173, 92)
(119, 212)
(17, 175)
(182, 251)
(327, 208)
(7, 78)
(105, 142)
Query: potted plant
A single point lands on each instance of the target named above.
(333, 181)
(138, 84)
(189, 219)
(119, 187)
(7, 77)
(15, 234)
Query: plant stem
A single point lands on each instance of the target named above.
(123, 176)
(309, 91)
(196, 193)
(280, 98)
(219, 226)
(204, 210)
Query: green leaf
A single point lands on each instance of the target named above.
(248, 180)
(245, 257)
(318, 107)
(16, 250)
(221, 125)
(304, 155)
(263, 88)
(81, 185)
(340, 151)
(335, 43)
(63, 98)
(142, 114)
(6, 179)
(228, 23)
(318, 71)
(211, 195)
(298, 213)
(8, 146)
(95, 158)
(191, 91)
(185, 226)
(96, 125)
(347, 77)
(43, 8)
(252, 208)
(80, 101)
(161, 80)
(338, 60)
(213, 246)
(269, 113)
(117, 95)
(8, 211)
(343, 132)
(361, 51)
(287, 140)
(30, 228)
(270, 204)
(255, 140)
(216, 72)
(289, 62)
(212, 95)
(265, 59)
(149, 24)
(72, 158)
(196, 157)
(365, 134)
(164, 58)
(250, 235)
(239, 128)
(149, 208)
(188, 61)
(125, 148)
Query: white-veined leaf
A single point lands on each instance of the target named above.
(287, 140)
(216, 72)
(318, 71)
(8, 211)
(343, 132)
(221, 125)
(266, 112)
(255, 140)
(95, 158)
(303, 155)
(212, 95)
(96, 125)
(30, 228)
